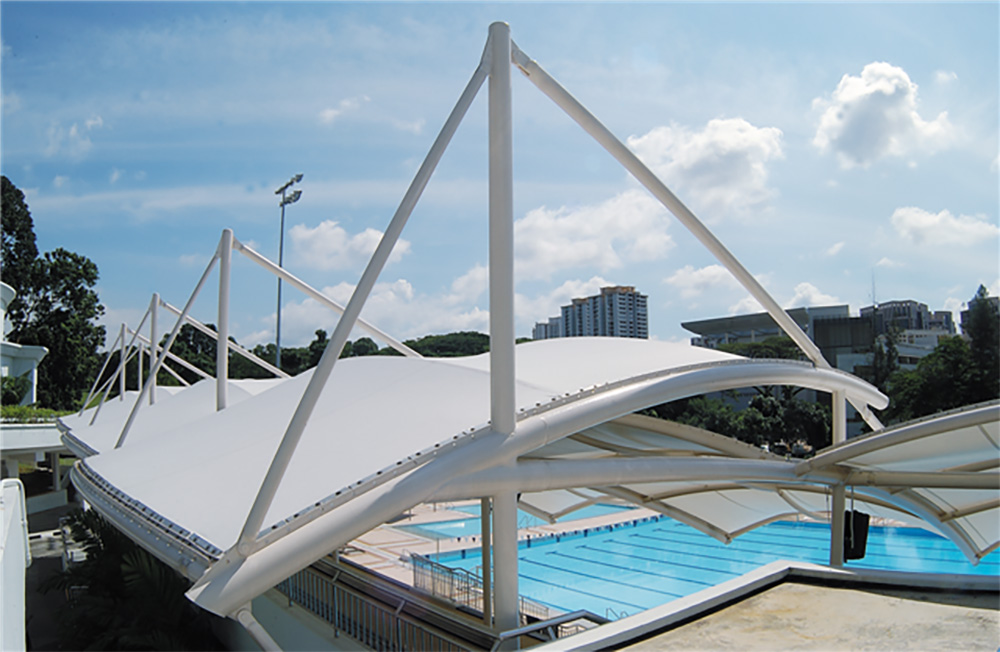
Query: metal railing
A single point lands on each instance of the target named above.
(464, 588)
(374, 624)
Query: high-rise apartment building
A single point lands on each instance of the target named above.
(618, 311)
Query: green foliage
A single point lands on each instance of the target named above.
(957, 373)
(29, 414)
(983, 330)
(451, 345)
(942, 381)
(767, 419)
(13, 389)
(123, 598)
(56, 306)
(776, 347)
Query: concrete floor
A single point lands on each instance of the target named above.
(793, 616)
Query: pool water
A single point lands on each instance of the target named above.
(620, 571)
(471, 527)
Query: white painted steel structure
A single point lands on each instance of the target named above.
(238, 499)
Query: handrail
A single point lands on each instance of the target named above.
(562, 619)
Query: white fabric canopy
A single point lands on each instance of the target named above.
(391, 432)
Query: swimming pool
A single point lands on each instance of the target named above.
(471, 527)
(622, 570)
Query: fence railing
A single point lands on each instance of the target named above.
(464, 588)
(374, 624)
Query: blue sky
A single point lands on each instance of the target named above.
(834, 148)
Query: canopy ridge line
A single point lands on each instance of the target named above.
(232, 345)
(279, 463)
(571, 106)
(155, 367)
(323, 299)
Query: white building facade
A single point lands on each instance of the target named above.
(618, 311)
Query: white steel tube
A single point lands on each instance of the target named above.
(837, 526)
(322, 298)
(310, 396)
(501, 230)
(166, 348)
(485, 517)
(544, 82)
(182, 362)
(839, 417)
(232, 345)
(260, 635)
(154, 306)
(222, 340)
(94, 390)
(505, 560)
(121, 368)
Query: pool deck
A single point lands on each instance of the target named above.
(794, 616)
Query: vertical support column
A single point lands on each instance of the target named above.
(222, 345)
(123, 366)
(501, 233)
(138, 357)
(154, 306)
(838, 501)
(485, 514)
(505, 561)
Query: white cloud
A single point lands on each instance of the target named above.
(393, 306)
(116, 174)
(329, 115)
(630, 226)
(11, 103)
(59, 181)
(329, 246)
(875, 115)
(807, 294)
(73, 142)
(888, 262)
(721, 170)
(532, 310)
(695, 282)
(919, 226)
(415, 127)
(468, 287)
(835, 249)
(945, 76)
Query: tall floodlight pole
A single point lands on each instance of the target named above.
(285, 200)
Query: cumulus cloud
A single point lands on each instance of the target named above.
(945, 76)
(804, 295)
(874, 116)
(835, 249)
(919, 226)
(721, 170)
(329, 115)
(393, 306)
(888, 262)
(807, 294)
(328, 246)
(73, 141)
(630, 226)
(540, 308)
(693, 282)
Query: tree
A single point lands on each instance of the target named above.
(123, 598)
(942, 381)
(983, 329)
(56, 306)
